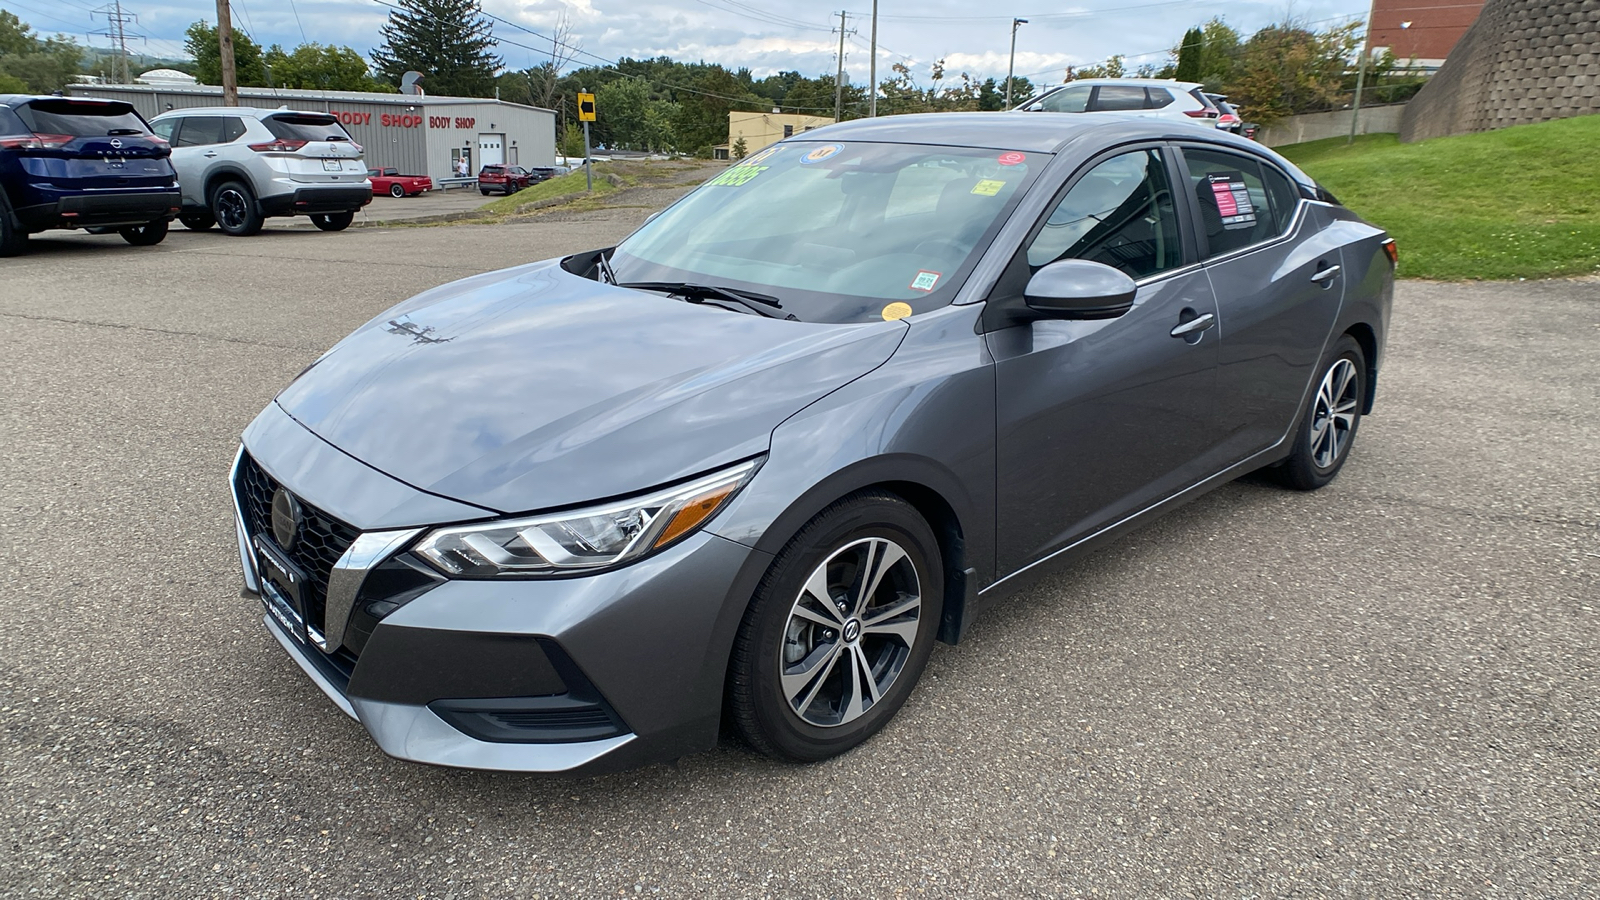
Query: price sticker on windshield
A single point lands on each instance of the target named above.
(988, 187)
(925, 280)
(738, 175)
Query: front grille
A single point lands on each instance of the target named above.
(321, 541)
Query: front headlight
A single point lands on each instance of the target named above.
(581, 539)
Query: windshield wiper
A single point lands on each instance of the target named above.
(123, 131)
(700, 293)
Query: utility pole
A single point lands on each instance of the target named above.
(1011, 67)
(838, 80)
(117, 23)
(872, 67)
(230, 77)
(1361, 76)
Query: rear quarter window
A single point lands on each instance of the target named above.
(9, 123)
(80, 118)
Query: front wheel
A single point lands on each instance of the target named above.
(839, 630)
(147, 235)
(1328, 429)
(13, 240)
(333, 221)
(396, 190)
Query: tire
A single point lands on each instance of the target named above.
(396, 190)
(101, 229)
(233, 207)
(483, 191)
(197, 221)
(13, 240)
(1328, 429)
(786, 708)
(333, 221)
(147, 235)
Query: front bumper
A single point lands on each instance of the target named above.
(574, 675)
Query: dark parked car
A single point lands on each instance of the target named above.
(73, 163)
(749, 465)
(506, 179)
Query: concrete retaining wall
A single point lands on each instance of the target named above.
(1316, 126)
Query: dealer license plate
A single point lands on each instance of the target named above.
(332, 165)
(282, 589)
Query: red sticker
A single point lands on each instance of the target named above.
(1012, 159)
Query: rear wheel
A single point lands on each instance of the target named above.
(396, 190)
(483, 191)
(233, 206)
(147, 235)
(333, 221)
(13, 240)
(197, 221)
(839, 630)
(1328, 429)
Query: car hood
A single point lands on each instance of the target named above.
(533, 388)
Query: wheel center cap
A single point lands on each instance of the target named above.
(852, 630)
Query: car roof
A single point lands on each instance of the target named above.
(1142, 82)
(1036, 132)
(16, 100)
(255, 111)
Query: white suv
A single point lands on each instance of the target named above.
(237, 165)
(1128, 96)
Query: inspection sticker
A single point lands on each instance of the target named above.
(1012, 159)
(826, 151)
(896, 310)
(752, 160)
(988, 188)
(925, 280)
(738, 175)
(1233, 202)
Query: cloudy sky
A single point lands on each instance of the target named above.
(764, 35)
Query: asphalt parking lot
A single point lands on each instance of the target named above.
(1386, 688)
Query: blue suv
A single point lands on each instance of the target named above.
(76, 163)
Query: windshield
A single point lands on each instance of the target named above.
(81, 118)
(838, 232)
(305, 128)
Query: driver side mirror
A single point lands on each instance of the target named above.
(1079, 289)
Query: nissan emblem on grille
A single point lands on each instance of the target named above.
(286, 519)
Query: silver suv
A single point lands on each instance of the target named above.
(1183, 100)
(237, 165)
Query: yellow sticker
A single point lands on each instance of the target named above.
(896, 311)
(988, 188)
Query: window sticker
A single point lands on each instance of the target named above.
(1012, 158)
(1233, 201)
(826, 151)
(738, 175)
(988, 187)
(896, 310)
(758, 157)
(925, 280)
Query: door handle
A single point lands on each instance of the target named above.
(1195, 325)
(1324, 274)
(211, 154)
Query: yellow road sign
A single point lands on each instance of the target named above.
(586, 107)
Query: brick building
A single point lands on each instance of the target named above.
(1421, 30)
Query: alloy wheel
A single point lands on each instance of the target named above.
(1334, 416)
(850, 632)
(233, 210)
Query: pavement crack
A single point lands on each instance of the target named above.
(167, 331)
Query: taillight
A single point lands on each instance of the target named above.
(1392, 252)
(1228, 118)
(1200, 113)
(155, 139)
(278, 146)
(35, 141)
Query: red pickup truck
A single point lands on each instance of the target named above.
(391, 182)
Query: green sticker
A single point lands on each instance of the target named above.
(738, 175)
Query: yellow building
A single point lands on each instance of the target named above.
(761, 130)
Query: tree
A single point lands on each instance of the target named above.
(318, 67)
(207, 52)
(1111, 68)
(740, 148)
(16, 38)
(449, 41)
(1189, 55)
(1288, 69)
(29, 64)
(572, 141)
(1219, 57)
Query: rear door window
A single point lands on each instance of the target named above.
(1072, 99)
(1232, 199)
(1118, 98)
(199, 131)
(232, 129)
(1156, 98)
(305, 128)
(80, 118)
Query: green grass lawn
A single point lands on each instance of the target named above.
(1521, 202)
(568, 185)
